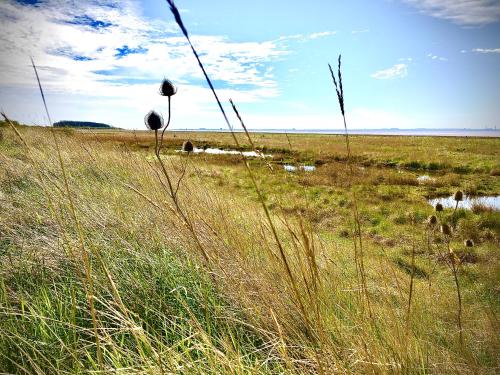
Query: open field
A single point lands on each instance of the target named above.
(331, 271)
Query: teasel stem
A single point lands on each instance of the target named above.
(454, 269)
(166, 125)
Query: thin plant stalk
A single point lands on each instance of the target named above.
(141, 339)
(358, 254)
(180, 23)
(84, 253)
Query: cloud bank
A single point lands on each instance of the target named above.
(105, 53)
(462, 12)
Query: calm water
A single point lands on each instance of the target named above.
(293, 168)
(409, 132)
(217, 151)
(488, 201)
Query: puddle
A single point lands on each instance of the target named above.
(487, 201)
(293, 168)
(425, 178)
(218, 151)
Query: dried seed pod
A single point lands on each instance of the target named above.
(167, 88)
(153, 120)
(432, 220)
(445, 229)
(187, 146)
(469, 243)
(459, 196)
(439, 207)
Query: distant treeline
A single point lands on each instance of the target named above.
(81, 124)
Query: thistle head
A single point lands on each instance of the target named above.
(153, 121)
(432, 220)
(187, 146)
(445, 229)
(167, 88)
(469, 243)
(439, 207)
(459, 196)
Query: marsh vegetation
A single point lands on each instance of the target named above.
(98, 225)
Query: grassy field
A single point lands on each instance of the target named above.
(103, 270)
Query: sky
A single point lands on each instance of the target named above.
(405, 63)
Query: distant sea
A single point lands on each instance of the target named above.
(394, 131)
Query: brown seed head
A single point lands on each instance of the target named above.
(439, 207)
(167, 88)
(432, 220)
(469, 243)
(445, 229)
(153, 120)
(459, 196)
(187, 146)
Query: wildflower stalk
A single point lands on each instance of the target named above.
(358, 253)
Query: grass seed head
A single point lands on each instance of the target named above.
(469, 243)
(187, 146)
(153, 120)
(459, 196)
(432, 220)
(445, 229)
(167, 88)
(439, 207)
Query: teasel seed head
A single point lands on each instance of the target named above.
(153, 121)
(187, 146)
(469, 243)
(445, 229)
(439, 207)
(459, 196)
(167, 88)
(432, 220)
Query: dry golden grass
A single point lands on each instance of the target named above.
(238, 313)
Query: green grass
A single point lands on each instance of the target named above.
(160, 308)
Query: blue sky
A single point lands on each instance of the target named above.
(406, 63)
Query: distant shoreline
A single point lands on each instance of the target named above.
(490, 133)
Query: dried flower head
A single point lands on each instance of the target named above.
(153, 120)
(432, 220)
(445, 229)
(167, 88)
(187, 146)
(439, 207)
(469, 243)
(459, 196)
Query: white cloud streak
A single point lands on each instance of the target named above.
(396, 71)
(436, 57)
(486, 50)
(462, 12)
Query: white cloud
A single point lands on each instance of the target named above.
(486, 50)
(322, 34)
(306, 37)
(362, 31)
(80, 70)
(396, 71)
(436, 57)
(462, 12)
